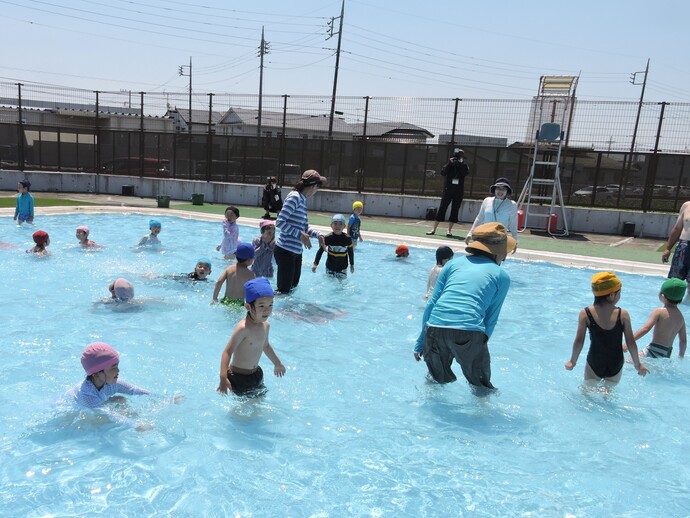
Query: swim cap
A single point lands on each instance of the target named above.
(84, 228)
(266, 223)
(674, 290)
(443, 252)
(244, 251)
(98, 356)
(402, 250)
(204, 261)
(357, 205)
(25, 183)
(605, 283)
(123, 289)
(154, 223)
(40, 237)
(338, 217)
(256, 288)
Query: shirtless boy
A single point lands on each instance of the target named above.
(239, 365)
(667, 322)
(235, 276)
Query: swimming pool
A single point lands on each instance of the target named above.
(353, 429)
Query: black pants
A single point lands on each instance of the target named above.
(289, 269)
(454, 200)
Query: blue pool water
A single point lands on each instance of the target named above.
(353, 429)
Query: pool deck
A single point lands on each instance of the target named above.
(598, 251)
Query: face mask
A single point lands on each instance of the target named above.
(461, 160)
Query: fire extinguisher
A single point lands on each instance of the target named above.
(521, 218)
(552, 224)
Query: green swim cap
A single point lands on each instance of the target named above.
(674, 289)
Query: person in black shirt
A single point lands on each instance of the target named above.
(454, 172)
(339, 248)
(271, 199)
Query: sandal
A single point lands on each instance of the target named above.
(431, 233)
(448, 234)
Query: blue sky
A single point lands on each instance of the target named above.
(443, 49)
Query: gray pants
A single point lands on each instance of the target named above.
(469, 348)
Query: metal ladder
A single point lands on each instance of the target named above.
(559, 92)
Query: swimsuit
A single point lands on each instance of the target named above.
(244, 384)
(680, 264)
(658, 351)
(340, 253)
(354, 225)
(231, 235)
(605, 356)
(232, 302)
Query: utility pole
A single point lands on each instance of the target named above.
(337, 64)
(633, 77)
(181, 72)
(263, 49)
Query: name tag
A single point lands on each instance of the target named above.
(455, 181)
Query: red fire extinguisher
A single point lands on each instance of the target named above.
(521, 218)
(552, 224)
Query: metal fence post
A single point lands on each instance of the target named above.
(653, 164)
(209, 140)
(97, 146)
(141, 136)
(20, 129)
(455, 119)
(283, 144)
(363, 149)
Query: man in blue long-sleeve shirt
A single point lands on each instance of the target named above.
(462, 312)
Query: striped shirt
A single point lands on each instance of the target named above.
(292, 221)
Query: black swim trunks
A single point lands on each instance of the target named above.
(247, 384)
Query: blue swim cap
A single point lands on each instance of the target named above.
(244, 251)
(154, 223)
(205, 261)
(256, 288)
(338, 217)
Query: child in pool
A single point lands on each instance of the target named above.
(152, 238)
(231, 233)
(402, 251)
(443, 255)
(201, 271)
(354, 223)
(607, 324)
(42, 240)
(239, 364)
(667, 322)
(24, 210)
(121, 290)
(263, 250)
(83, 237)
(340, 250)
(235, 276)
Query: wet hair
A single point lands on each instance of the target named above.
(233, 209)
(601, 299)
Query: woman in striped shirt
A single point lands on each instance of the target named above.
(294, 231)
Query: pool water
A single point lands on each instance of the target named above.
(353, 429)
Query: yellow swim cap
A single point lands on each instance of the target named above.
(604, 283)
(357, 205)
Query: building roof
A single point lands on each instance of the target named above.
(198, 116)
(293, 121)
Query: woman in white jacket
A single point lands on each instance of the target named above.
(498, 207)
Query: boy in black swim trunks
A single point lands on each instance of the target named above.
(667, 321)
(239, 365)
(607, 324)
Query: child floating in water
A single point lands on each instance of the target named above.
(42, 240)
(83, 237)
(263, 250)
(201, 271)
(443, 255)
(354, 223)
(152, 238)
(231, 233)
(239, 365)
(667, 322)
(402, 251)
(121, 290)
(607, 324)
(25, 203)
(339, 248)
(235, 276)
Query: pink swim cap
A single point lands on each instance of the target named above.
(98, 356)
(84, 228)
(123, 289)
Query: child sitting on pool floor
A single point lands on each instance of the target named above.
(240, 372)
(235, 276)
(667, 322)
(42, 240)
(152, 238)
(607, 324)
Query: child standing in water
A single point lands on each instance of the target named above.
(231, 233)
(239, 364)
(25, 203)
(667, 322)
(235, 276)
(263, 250)
(152, 238)
(42, 240)
(83, 237)
(355, 223)
(339, 248)
(443, 255)
(607, 325)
